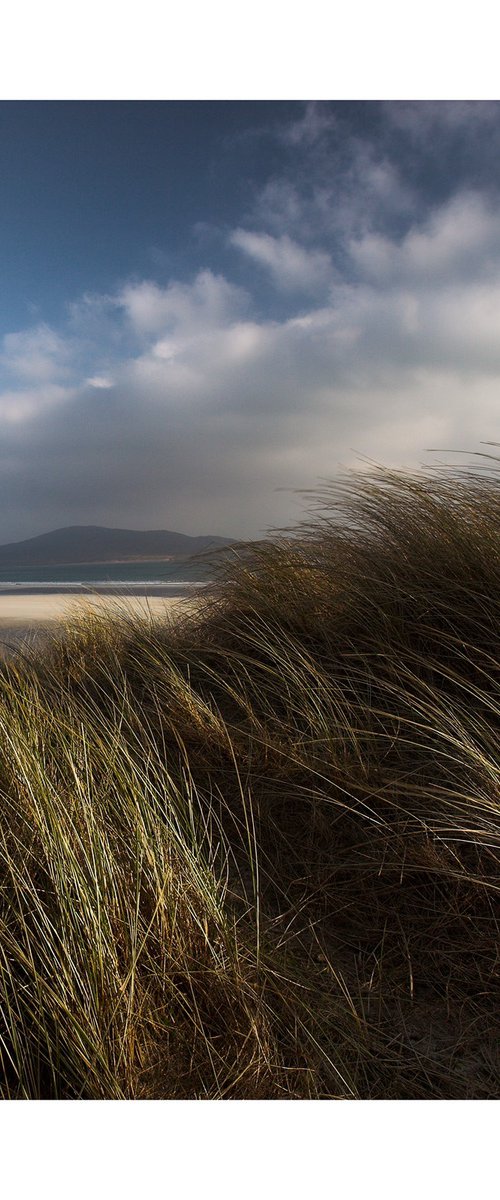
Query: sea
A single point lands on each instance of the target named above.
(166, 577)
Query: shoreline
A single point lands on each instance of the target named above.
(115, 588)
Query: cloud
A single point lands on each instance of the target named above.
(459, 241)
(380, 167)
(291, 266)
(422, 118)
(371, 327)
(215, 410)
(316, 120)
(21, 405)
(204, 304)
(38, 354)
(348, 187)
(101, 382)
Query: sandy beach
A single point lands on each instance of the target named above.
(24, 616)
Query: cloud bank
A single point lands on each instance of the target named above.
(368, 324)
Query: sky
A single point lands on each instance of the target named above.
(208, 307)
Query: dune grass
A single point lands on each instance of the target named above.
(253, 853)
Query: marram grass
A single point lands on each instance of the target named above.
(254, 853)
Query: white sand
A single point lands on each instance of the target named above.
(28, 619)
(27, 612)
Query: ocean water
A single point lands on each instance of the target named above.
(157, 574)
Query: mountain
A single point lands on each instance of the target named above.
(95, 544)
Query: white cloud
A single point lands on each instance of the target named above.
(38, 354)
(210, 408)
(460, 240)
(205, 304)
(292, 267)
(23, 405)
(99, 382)
(345, 184)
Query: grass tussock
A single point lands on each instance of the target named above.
(254, 853)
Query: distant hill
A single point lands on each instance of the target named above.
(95, 544)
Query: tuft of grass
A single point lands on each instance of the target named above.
(253, 853)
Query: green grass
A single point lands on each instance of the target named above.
(254, 853)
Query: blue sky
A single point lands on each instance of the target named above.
(207, 305)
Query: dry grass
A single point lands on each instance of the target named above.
(254, 853)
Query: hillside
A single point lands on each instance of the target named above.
(97, 544)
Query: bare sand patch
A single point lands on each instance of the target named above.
(28, 619)
(33, 610)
